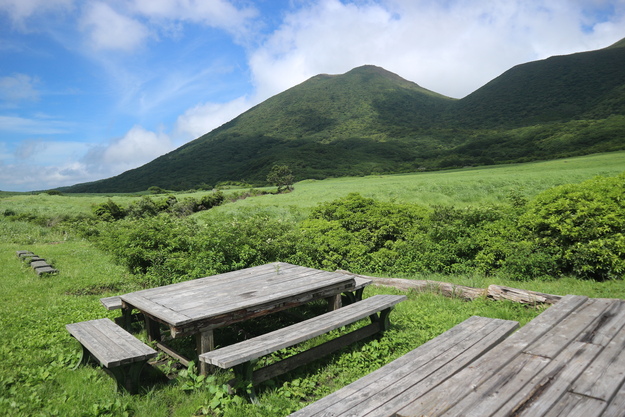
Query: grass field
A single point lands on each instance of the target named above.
(36, 375)
(471, 186)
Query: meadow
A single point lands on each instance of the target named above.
(36, 375)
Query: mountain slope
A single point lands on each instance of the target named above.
(559, 88)
(369, 120)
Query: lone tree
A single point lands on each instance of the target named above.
(281, 176)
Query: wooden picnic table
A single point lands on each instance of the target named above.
(199, 306)
(569, 361)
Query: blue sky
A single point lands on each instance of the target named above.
(92, 88)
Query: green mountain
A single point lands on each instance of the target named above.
(369, 120)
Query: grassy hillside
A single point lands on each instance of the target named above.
(370, 121)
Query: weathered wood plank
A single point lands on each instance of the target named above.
(616, 408)
(586, 317)
(500, 292)
(307, 356)
(389, 388)
(109, 343)
(607, 326)
(455, 388)
(111, 303)
(550, 385)
(482, 400)
(574, 405)
(604, 376)
(236, 354)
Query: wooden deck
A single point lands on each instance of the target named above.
(568, 361)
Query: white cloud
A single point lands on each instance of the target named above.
(215, 13)
(111, 30)
(17, 88)
(451, 47)
(137, 147)
(33, 126)
(19, 10)
(205, 117)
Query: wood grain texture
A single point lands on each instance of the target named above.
(256, 347)
(110, 344)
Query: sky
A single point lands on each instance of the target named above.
(92, 88)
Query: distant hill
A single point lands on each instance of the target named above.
(369, 120)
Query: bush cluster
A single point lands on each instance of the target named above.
(149, 207)
(568, 230)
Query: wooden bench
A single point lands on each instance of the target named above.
(242, 356)
(392, 387)
(114, 348)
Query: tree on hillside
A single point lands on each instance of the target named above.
(282, 176)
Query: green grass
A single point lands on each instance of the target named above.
(36, 376)
(460, 188)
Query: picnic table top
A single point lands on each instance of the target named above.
(222, 299)
(568, 361)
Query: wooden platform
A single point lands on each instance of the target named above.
(568, 361)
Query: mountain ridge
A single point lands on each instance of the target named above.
(370, 120)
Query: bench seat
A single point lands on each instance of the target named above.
(241, 356)
(111, 303)
(387, 390)
(114, 348)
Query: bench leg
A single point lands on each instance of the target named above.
(85, 357)
(244, 374)
(383, 319)
(127, 376)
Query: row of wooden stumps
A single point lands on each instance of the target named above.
(37, 263)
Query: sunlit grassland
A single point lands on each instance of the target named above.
(460, 188)
(463, 187)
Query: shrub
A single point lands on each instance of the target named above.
(582, 224)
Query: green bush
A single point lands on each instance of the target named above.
(582, 225)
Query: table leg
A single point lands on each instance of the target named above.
(334, 302)
(205, 343)
(153, 328)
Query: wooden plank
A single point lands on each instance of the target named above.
(482, 400)
(609, 324)
(233, 355)
(455, 388)
(235, 298)
(109, 343)
(134, 300)
(574, 405)
(23, 254)
(387, 389)
(307, 356)
(533, 390)
(586, 317)
(606, 373)
(616, 406)
(500, 292)
(111, 303)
